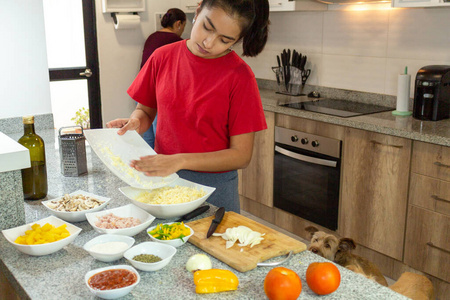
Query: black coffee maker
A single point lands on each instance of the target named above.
(432, 93)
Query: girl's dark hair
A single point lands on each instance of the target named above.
(171, 16)
(254, 20)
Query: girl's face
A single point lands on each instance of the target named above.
(213, 33)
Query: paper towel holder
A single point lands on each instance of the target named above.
(113, 15)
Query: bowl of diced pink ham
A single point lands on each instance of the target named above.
(125, 220)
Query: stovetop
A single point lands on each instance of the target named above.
(340, 108)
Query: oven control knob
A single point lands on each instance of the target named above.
(294, 138)
(304, 141)
(315, 143)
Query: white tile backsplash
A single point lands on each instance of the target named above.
(362, 33)
(358, 73)
(420, 34)
(360, 50)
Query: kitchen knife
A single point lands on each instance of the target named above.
(279, 70)
(196, 212)
(303, 63)
(218, 218)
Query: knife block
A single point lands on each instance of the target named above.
(293, 86)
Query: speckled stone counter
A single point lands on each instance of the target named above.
(61, 275)
(386, 123)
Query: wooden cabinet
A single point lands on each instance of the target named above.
(256, 181)
(427, 245)
(374, 190)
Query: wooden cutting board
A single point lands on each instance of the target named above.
(274, 244)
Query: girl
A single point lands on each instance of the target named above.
(207, 99)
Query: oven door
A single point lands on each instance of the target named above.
(307, 184)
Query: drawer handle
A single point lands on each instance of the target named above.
(439, 164)
(435, 197)
(436, 247)
(378, 143)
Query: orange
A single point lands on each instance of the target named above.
(323, 278)
(282, 284)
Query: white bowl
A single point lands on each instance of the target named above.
(165, 252)
(43, 249)
(124, 212)
(107, 238)
(175, 242)
(167, 211)
(76, 216)
(116, 293)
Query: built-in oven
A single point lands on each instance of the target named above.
(307, 176)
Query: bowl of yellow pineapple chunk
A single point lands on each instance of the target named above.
(42, 237)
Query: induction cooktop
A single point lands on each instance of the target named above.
(337, 107)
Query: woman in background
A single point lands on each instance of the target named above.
(207, 99)
(173, 23)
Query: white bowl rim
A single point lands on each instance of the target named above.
(129, 240)
(91, 273)
(77, 192)
(48, 219)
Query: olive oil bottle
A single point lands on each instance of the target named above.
(34, 179)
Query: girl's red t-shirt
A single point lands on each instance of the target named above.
(200, 102)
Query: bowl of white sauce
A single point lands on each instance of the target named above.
(109, 247)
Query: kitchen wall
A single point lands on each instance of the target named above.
(361, 50)
(24, 82)
(357, 50)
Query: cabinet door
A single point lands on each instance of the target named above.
(257, 179)
(189, 5)
(374, 190)
(427, 245)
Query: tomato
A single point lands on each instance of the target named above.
(323, 278)
(282, 284)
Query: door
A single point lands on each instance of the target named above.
(71, 37)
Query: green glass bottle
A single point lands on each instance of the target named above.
(34, 179)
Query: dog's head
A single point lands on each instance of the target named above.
(323, 244)
(327, 245)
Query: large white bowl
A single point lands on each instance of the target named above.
(116, 293)
(167, 211)
(106, 238)
(165, 252)
(124, 212)
(43, 249)
(175, 242)
(76, 216)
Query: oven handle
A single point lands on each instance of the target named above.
(314, 160)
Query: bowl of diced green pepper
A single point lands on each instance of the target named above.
(175, 234)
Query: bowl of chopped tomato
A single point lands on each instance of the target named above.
(112, 282)
(42, 237)
(174, 234)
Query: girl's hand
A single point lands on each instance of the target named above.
(124, 125)
(158, 165)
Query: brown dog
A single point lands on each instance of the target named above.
(339, 251)
(414, 286)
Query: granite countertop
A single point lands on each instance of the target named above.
(61, 275)
(386, 123)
